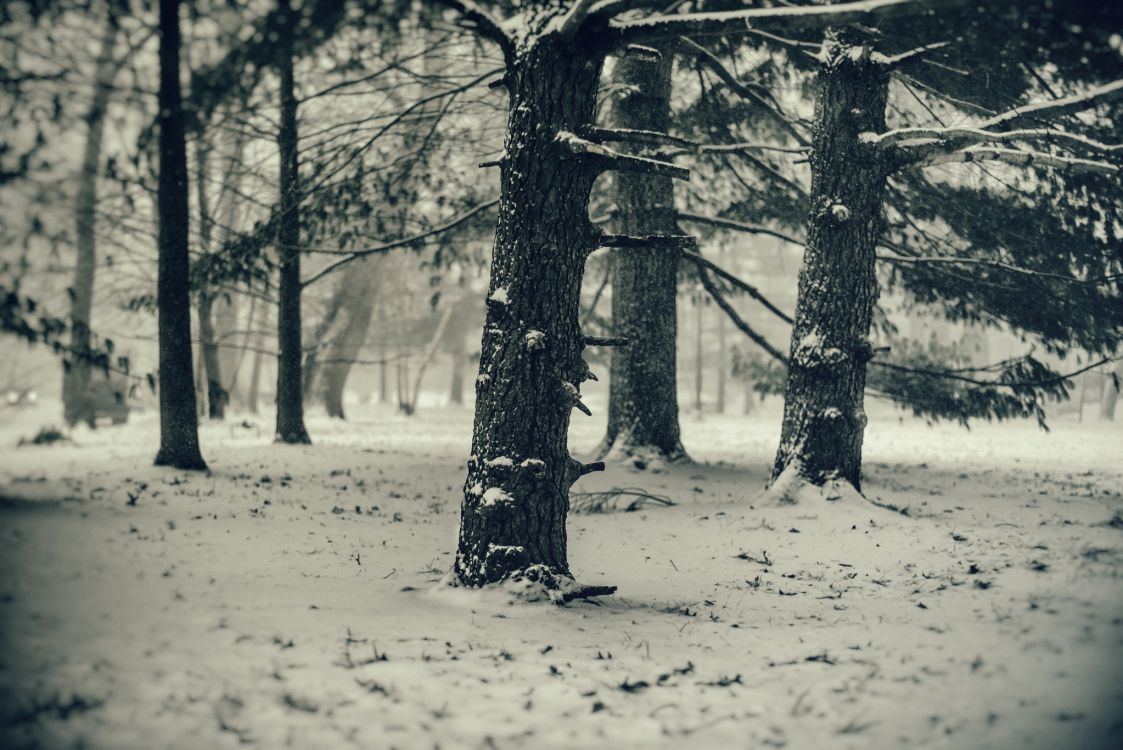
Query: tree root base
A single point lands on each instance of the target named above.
(538, 583)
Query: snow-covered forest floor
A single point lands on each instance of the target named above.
(291, 598)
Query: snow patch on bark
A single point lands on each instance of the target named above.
(500, 296)
(496, 496)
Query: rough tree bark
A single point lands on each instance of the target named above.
(643, 391)
(516, 495)
(290, 397)
(179, 426)
(824, 418)
(77, 404)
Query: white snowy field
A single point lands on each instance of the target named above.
(290, 598)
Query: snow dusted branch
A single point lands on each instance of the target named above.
(1057, 108)
(641, 137)
(1065, 164)
(749, 289)
(799, 18)
(894, 62)
(738, 226)
(927, 146)
(605, 158)
(961, 136)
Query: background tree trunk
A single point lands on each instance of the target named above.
(516, 494)
(1110, 395)
(699, 359)
(179, 426)
(77, 404)
(824, 418)
(290, 396)
(357, 294)
(208, 342)
(643, 391)
(252, 393)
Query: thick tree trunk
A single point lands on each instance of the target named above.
(516, 494)
(643, 392)
(290, 396)
(77, 404)
(824, 418)
(1110, 394)
(357, 292)
(179, 426)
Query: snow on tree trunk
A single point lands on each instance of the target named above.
(824, 416)
(516, 494)
(290, 396)
(179, 426)
(643, 392)
(77, 404)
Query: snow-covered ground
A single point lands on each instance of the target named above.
(290, 597)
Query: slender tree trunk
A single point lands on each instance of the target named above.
(252, 394)
(319, 340)
(516, 494)
(643, 391)
(824, 417)
(699, 360)
(357, 292)
(427, 358)
(208, 341)
(383, 365)
(77, 404)
(290, 398)
(216, 394)
(1110, 392)
(722, 364)
(179, 426)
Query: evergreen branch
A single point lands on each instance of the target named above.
(715, 65)
(1015, 385)
(939, 259)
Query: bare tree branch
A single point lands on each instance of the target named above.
(388, 246)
